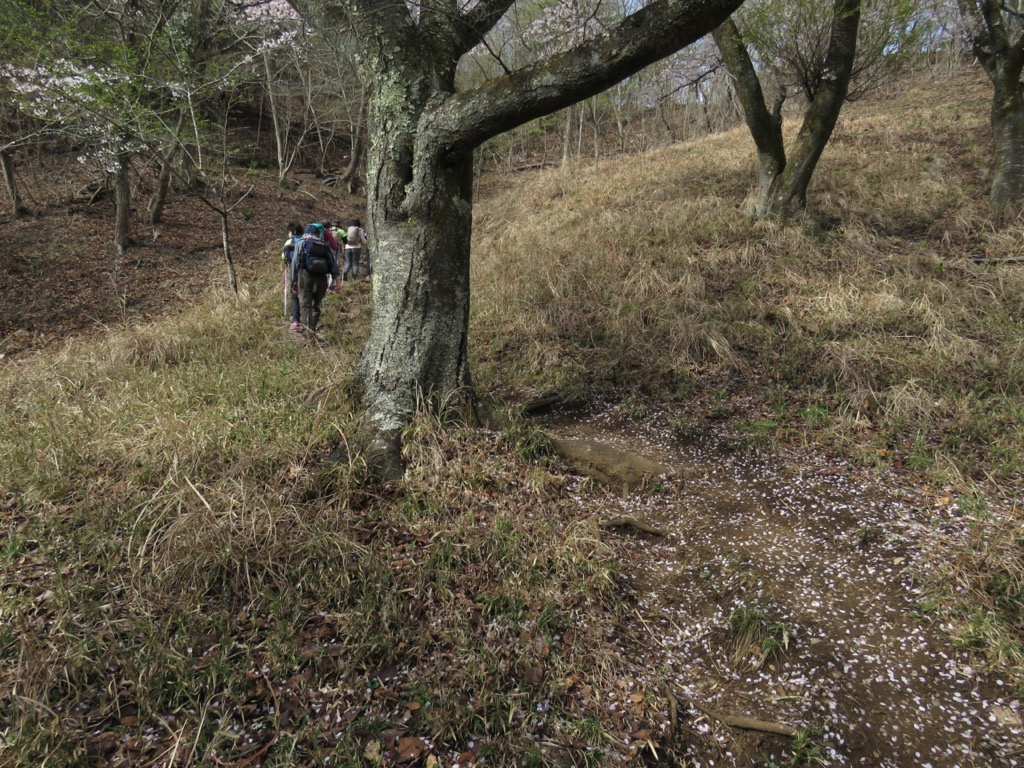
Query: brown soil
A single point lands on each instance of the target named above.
(826, 554)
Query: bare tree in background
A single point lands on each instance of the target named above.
(826, 55)
(996, 30)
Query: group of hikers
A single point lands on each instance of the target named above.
(314, 264)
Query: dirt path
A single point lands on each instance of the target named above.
(819, 559)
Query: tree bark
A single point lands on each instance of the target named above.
(782, 180)
(1007, 193)
(420, 226)
(122, 204)
(163, 186)
(358, 147)
(567, 133)
(417, 351)
(7, 164)
(765, 126)
(226, 244)
(997, 37)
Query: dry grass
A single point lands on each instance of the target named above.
(889, 328)
(172, 594)
(983, 573)
(648, 271)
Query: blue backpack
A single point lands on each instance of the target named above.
(315, 252)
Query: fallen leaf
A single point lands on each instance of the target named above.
(386, 693)
(533, 675)
(410, 748)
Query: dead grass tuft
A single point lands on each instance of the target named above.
(985, 573)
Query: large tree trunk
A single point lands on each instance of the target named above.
(419, 179)
(420, 227)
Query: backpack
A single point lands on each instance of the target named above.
(315, 251)
(339, 236)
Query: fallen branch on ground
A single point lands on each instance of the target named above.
(747, 723)
(734, 721)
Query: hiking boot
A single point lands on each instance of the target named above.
(295, 326)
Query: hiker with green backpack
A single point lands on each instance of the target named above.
(313, 264)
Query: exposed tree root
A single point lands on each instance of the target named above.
(608, 464)
(631, 522)
(733, 721)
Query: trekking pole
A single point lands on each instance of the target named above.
(287, 297)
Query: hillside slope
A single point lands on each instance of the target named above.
(190, 576)
(892, 312)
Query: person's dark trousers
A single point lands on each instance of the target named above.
(312, 289)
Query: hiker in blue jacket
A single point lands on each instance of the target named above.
(315, 260)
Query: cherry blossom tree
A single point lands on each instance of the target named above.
(825, 54)
(423, 133)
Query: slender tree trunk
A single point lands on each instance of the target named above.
(163, 186)
(280, 124)
(782, 181)
(580, 128)
(11, 183)
(765, 126)
(358, 147)
(226, 242)
(788, 194)
(122, 204)
(567, 135)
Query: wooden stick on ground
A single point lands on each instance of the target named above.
(733, 721)
(748, 723)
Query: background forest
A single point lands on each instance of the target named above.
(199, 566)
